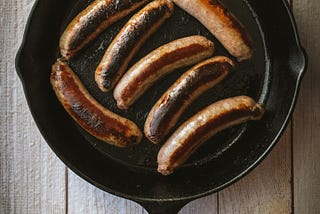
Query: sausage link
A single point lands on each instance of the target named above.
(93, 20)
(222, 24)
(88, 113)
(129, 40)
(160, 62)
(168, 109)
(202, 126)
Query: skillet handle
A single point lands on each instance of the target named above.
(160, 207)
(298, 61)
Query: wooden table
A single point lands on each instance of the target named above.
(34, 180)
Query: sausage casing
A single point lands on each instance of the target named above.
(168, 109)
(160, 62)
(222, 24)
(129, 40)
(203, 125)
(93, 20)
(88, 113)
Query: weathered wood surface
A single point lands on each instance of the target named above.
(34, 180)
(267, 189)
(306, 122)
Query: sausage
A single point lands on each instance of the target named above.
(160, 62)
(88, 113)
(93, 20)
(129, 40)
(222, 24)
(202, 126)
(168, 109)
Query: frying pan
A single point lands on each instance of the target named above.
(272, 77)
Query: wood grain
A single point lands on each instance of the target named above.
(85, 198)
(32, 180)
(267, 189)
(306, 123)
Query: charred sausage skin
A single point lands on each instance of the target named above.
(129, 40)
(202, 126)
(88, 113)
(92, 21)
(160, 62)
(168, 109)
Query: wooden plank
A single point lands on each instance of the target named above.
(32, 179)
(32, 183)
(306, 123)
(85, 198)
(267, 189)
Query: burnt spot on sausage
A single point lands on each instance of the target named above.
(91, 118)
(257, 111)
(106, 80)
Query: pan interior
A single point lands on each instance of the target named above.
(249, 78)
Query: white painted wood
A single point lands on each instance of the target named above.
(267, 189)
(306, 123)
(32, 179)
(85, 198)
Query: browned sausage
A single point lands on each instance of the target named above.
(222, 24)
(167, 111)
(160, 62)
(202, 126)
(88, 113)
(89, 23)
(129, 40)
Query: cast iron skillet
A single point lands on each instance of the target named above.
(272, 77)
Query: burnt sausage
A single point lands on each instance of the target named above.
(160, 62)
(168, 109)
(129, 40)
(88, 113)
(93, 20)
(202, 126)
(222, 24)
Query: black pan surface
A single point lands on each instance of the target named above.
(272, 77)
